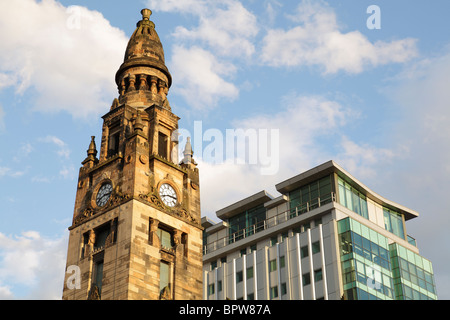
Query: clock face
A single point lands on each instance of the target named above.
(168, 195)
(103, 195)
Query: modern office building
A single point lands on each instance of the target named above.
(327, 236)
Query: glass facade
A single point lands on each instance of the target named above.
(366, 264)
(352, 199)
(310, 196)
(413, 275)
(373, 269)
(242, 222)
(393, 222)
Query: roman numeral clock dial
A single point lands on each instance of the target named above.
(103, 195)
(168, 195)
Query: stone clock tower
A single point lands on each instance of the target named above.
(136, 230)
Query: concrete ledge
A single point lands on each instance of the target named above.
(245, 204)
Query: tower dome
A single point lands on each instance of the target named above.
(144, 64)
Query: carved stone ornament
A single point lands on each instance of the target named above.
(194, 185)
(85, 214)
(116, 199)
(153, 199)
(178, 211)
(165, 294)
(143, 158)
(94, 293)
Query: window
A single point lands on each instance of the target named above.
(272, 265)
(274, 292)
(164, 281)
(96, 240)
(211, 289)
(250, 273)
(166, 238)
(162, 145)
(239, 276)
(100, 236)
(296, 230)
(393, 222)
(304, 251)
(306, 278)
(318, 274)
(352, 199)
(213, 265)
(283, 288)
(315, 247)
(219, 286)
(282, 262)
(310, 196)
(243, 252)
(369, 265)
(113, 145)
(306, 226)
(251, 296)
(98, 274)
(247, 223)
(273, 241)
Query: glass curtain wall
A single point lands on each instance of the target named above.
(247, 223)
(413, 275)
(352, 199)
(393, 222)
(366, 264)
(373, 269)
(310, 196)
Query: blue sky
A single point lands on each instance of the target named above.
(374, 100)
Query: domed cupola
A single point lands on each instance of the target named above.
(143, 78)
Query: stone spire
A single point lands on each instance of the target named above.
(143, 78)
(91, 158)
(188, 153)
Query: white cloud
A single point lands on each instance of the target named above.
(420, 138)
(203, 56)
(200, 77)
(226, 26)
(318, 41)
(5, 293)
(9, 172)
(67, 170)
(184, 6)
(301, 123)
(224, 38)
(63, 149)
(23, 152)
(68, 56)
(361, 160)
(33, 262)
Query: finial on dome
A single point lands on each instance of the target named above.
(146, 13)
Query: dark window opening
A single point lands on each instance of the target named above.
(113, 145)
(98, 275)
(162, 145)
(97, 239)
(166, 238)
